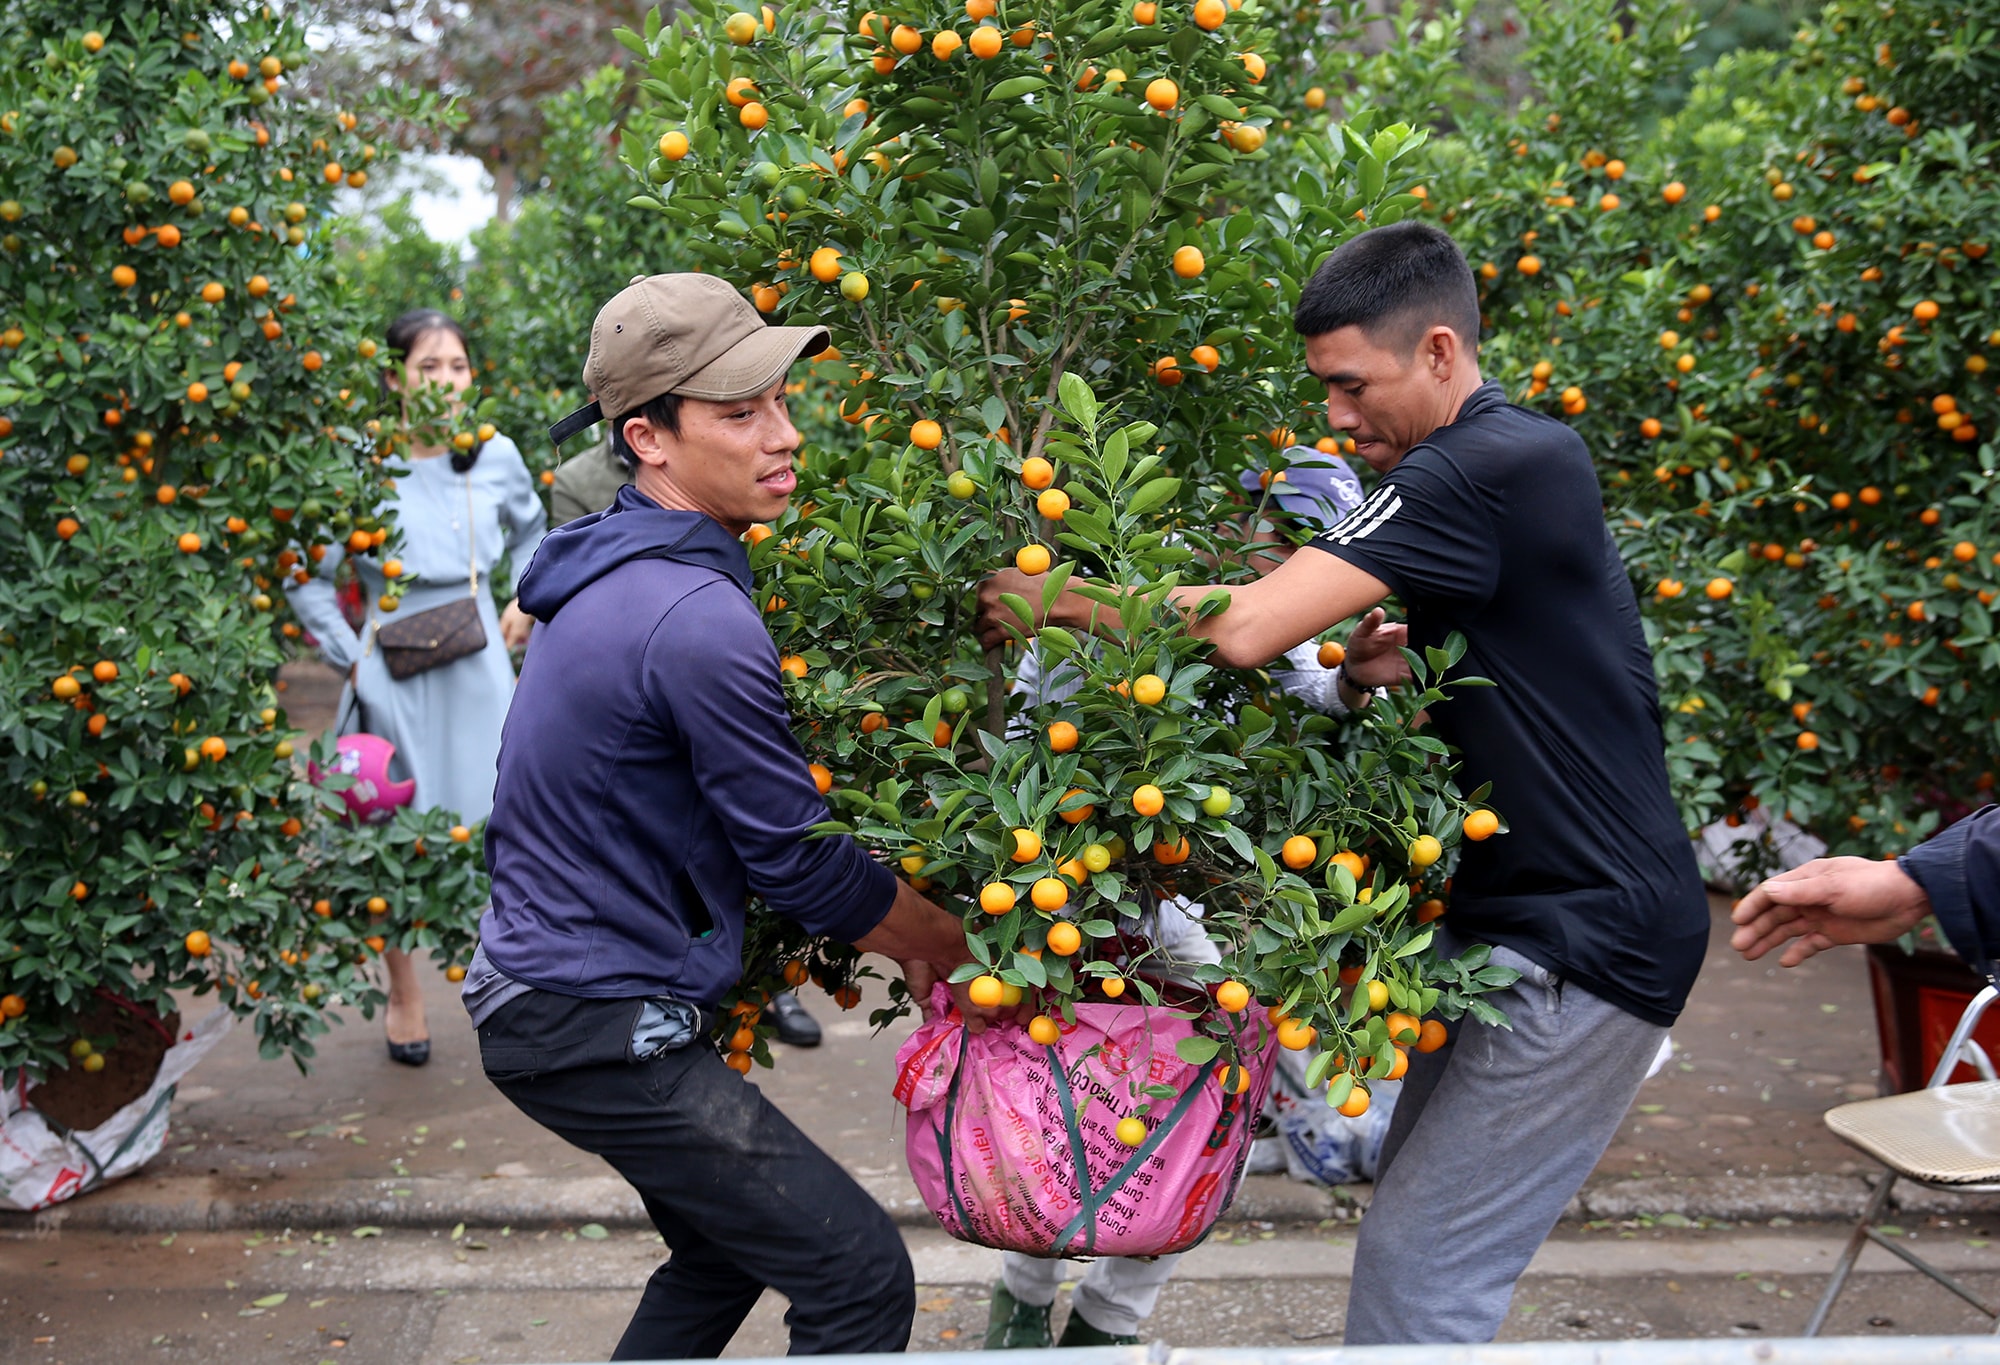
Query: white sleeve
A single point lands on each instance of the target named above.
(1306, 681)
(522, 515)
(1060, 683)
(317, 606)
(1174, 927)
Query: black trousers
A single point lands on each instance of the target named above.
(743, 1199)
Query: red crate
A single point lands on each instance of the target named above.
(1918, 999)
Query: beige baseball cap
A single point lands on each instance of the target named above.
(686, 334)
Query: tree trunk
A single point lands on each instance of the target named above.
(503, 191)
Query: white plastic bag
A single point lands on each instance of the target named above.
(1321, 1144)
(41, 1164)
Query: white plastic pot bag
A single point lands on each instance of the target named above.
(42, 1163)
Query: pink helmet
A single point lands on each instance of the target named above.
(372, 798)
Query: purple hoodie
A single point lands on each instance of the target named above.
(648, 783)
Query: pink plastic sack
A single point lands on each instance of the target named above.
(372, 798)
(1013, 1144)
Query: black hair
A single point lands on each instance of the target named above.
(405, 332)
(664, 411)
(1395, 283)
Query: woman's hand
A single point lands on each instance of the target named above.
(515, 625)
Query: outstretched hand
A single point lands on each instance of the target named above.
(998, 623)
(1826, 902)
(1375, 652)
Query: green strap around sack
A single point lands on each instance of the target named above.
(99, 1167)
(1089, 1201)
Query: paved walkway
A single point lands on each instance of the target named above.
(484, 1297)
(1729, 1131)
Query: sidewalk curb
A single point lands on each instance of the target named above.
(196, 1204)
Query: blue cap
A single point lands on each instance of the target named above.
(1314, 486)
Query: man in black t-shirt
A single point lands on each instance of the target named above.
(1487, 521)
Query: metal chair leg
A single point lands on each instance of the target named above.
(1852, 1254)
(1973, 1053)
(1917, 1262)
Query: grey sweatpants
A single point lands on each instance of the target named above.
(1115, 1295)
(1493, 1134)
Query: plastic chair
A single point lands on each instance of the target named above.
(1943, 1137)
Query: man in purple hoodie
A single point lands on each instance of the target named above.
(648, 787)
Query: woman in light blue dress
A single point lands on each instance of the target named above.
(457, 513)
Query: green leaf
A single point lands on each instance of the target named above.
(1116, 451)
(1350, 919)
(1052, 586)
(1152, 494)
(1057, 642)
(1015, 87)
(1197, 1049)
(1087, 527)
(1017, 604)
(1077, 399)
(1107, 40)
(1372, 176)
(1415, 945)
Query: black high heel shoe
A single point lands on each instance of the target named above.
(411, 1054)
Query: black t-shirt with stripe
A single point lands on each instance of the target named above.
(1494, 527)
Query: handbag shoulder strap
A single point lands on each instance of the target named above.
(471, 542)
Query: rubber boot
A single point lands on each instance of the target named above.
(1077, 1332)
(1016, 1326)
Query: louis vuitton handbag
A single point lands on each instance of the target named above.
(442, 635)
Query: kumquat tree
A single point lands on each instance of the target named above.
(182, 406)
(1768, 309)
(1060, 302)
(1773, 317)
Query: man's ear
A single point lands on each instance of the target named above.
(1441, 352)
(645, 441)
